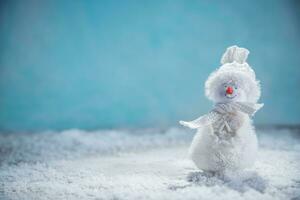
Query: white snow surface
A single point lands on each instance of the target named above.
(139, 164)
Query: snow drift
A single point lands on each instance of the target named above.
(138, 164)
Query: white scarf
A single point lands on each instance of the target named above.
(219, 113)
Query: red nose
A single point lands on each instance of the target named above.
(229, 90)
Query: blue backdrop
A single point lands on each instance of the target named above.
(107, 64)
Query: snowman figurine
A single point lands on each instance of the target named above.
(225, 138)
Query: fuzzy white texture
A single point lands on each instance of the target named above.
(139, 164)
(211, 149)
(212, 153)
(235, 70)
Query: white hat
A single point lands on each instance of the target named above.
(235, 59)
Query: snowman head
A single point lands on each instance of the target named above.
(234, 81)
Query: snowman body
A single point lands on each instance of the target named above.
(219, 150)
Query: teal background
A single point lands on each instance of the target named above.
(131, 64)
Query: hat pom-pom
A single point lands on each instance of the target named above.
(235, 54)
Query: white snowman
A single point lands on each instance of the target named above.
(226, 139)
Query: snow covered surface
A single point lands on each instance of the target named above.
(139, 164)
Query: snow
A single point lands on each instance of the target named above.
(139, 164)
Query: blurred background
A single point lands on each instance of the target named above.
(134, 64)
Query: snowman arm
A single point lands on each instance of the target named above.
(204, 120)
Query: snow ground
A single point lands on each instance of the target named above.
(138, 164)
